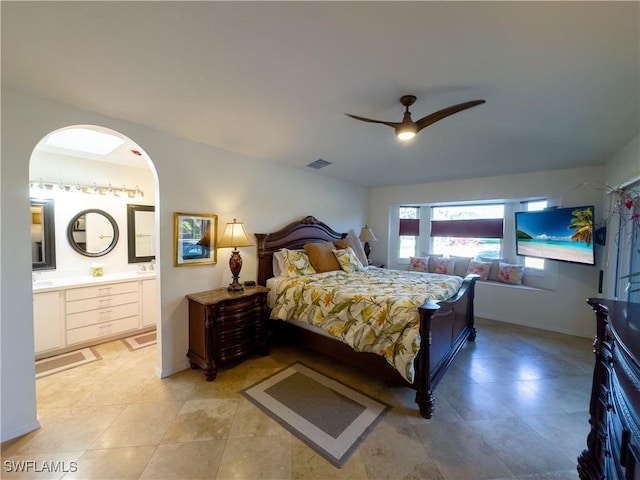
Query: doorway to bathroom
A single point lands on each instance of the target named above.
(94, 243)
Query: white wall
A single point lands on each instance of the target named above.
(624, 166)
(192, 178)
(52, 168)
(563, 307)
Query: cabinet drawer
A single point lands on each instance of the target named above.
(101, 302)
(240, 306)
(102, 315)
(92, 332)
(101, 290)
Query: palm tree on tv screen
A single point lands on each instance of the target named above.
(582, 223)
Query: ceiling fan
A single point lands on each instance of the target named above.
(407, 128)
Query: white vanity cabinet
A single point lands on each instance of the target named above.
(101, 310)
(78, 312)
(48, 327)
(149, 303)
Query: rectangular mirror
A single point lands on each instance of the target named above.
(43, 238)
(141, 227)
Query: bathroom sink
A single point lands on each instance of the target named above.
(43, 283)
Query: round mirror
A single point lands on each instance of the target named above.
(93, 233)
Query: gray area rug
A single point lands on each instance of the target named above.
(327, 415)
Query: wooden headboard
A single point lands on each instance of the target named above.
(293, 236)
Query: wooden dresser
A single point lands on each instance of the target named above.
(226, 326)
(613, 443)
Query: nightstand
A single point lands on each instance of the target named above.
(226, 326)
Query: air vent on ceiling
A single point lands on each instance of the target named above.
(318, 164)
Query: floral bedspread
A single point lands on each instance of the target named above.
(372, 310)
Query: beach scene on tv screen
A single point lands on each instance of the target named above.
(560, 234)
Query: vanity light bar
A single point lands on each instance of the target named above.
(94, 189)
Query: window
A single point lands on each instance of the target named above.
(467, 230)
(628, 245)
(530, 262)
(409, 232)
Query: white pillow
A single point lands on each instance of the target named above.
(278, 263)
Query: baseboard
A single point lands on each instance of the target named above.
(167, 372)
(18, 432)
(533, 325)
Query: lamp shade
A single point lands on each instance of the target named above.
(366, 235)
(234, 236)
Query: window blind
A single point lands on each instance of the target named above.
(410, 226)
(481, 228)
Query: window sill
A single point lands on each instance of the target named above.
(511, 285)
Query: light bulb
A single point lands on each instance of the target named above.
(406, 135)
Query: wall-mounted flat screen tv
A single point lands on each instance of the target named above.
(564, 234)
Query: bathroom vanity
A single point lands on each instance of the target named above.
(71, 313)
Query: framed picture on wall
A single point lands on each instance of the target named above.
(194, 239)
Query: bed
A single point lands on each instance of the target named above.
(441, 327)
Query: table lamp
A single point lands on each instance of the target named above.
(366, 236)
(235, 236)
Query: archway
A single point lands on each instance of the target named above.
(88, 168)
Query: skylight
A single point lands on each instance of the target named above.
(85, 140)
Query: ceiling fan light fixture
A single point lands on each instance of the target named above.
(405, 135)
(407, 128)
(406, 131)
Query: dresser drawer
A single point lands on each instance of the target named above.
(91, 332)
(101, 290)
(101, 302)
(102, 315)
(241, 306)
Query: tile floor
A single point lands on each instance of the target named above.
(513, 406)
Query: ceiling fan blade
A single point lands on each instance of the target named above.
(445, 112)
(391, 124)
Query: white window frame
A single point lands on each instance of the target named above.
(400, 258)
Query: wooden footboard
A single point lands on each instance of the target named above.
(444, 326)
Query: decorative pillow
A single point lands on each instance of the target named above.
(296, 262)
(443, 265)
(509, 273)
(322, 257)
(355, 244)
(460, 266)
(348, 260)
(419, 264)
(279, 269)
(479, 268)
(494, 270)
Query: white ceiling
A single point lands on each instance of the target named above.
(273, 80)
